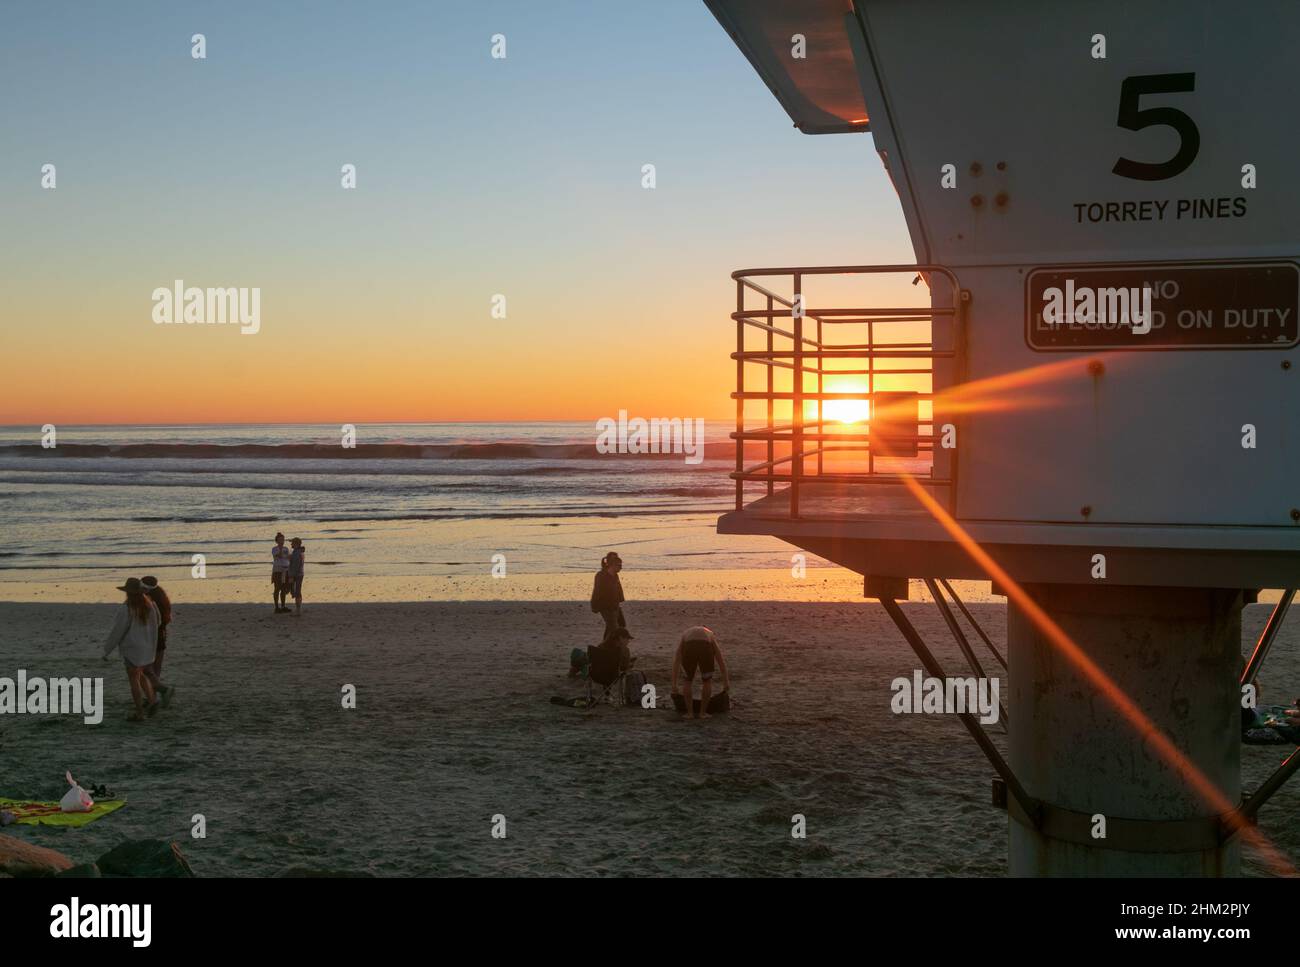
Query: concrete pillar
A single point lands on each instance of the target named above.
(1176, 652)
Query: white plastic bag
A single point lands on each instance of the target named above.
(76, 799)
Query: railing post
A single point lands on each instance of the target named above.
(796, 435)
(771, 388)
(740, 393)
(821, 426)
(961, 308)
(871, 392)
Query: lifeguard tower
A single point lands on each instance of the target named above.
(1089, 395)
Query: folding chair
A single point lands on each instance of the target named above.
(604, 670)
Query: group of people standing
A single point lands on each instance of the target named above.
(697, 650)
(286, 574)
(140, 633)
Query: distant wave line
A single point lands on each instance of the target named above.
(362, 451)
(456, 515)
(156, 565)
(269, 467)
(346, 484)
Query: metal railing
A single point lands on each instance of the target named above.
(806, 356)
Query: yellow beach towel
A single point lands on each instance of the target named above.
(49, 814)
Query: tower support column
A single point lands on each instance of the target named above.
(1176, 653)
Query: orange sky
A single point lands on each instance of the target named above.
(302, 367)
(341, 359)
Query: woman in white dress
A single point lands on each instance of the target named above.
(135, 632)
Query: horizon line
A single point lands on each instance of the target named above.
(10, 426)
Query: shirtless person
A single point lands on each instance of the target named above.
(698, 649)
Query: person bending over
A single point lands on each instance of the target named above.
(698, 649)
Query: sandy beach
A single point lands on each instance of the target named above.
(775, 583)
(453, 725)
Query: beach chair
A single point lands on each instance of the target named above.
(604, 674)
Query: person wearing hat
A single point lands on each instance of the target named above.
(280, 575)
(607, 594)
(296, 561)
(164, 604)
(135, 632)
(617, 642)
(698, 649)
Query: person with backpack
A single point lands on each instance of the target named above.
(607, 594)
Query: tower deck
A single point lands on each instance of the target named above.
(884, 532)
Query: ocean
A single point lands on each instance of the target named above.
(408, 506)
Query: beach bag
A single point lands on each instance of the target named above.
(720, 702)
(578, 661)
(76, 799)
(633, 682)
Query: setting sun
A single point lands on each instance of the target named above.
(847, 411)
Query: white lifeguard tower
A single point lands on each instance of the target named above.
(1092, 400)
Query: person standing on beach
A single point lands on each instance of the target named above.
(607, 594)
(135, 632)
(296, 561)
(698, 649)
(164, 604)
(280, 575)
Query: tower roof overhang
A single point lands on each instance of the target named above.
(819, 90)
